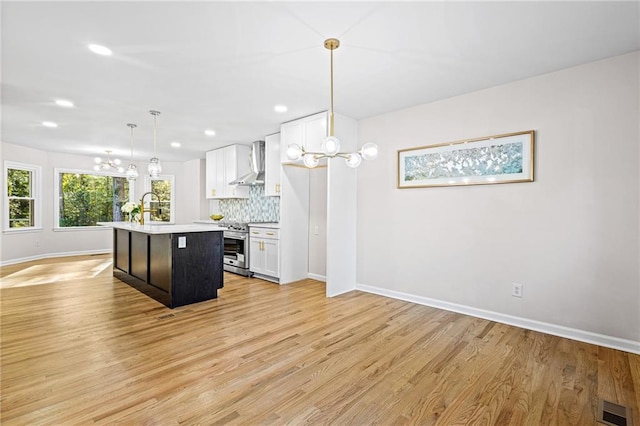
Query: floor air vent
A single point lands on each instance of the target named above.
(613, 414)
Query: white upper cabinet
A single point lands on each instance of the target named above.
(223, 166)
(308, 132)
(272, 166)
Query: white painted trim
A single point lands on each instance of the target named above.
(543, 327)
(50, 255)
(317, 277)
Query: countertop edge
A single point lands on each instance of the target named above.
(162, 229)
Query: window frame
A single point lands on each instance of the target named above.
(56, 196)
(172, 209)
(36, 196)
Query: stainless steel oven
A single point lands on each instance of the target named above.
(236, 249)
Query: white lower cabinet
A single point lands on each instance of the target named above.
(264, 252)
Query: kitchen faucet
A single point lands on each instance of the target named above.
(142, 209)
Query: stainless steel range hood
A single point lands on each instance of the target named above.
(256, 161)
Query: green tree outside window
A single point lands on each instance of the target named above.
(20, 198)
(86, 199)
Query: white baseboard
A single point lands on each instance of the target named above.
(317, 277)
(50, 255)
(543, 327)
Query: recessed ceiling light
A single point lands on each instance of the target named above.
(49, 124)
(64, 103)
(176, 144)
(210, 132)
(100, 50)
(280, 108)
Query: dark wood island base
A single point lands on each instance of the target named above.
(176, 269)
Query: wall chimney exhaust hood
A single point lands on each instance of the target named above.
(256, 162)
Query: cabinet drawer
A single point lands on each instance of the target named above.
(266, 233)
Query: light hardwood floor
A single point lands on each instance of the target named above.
(96, 351)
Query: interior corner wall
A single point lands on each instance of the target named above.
(571, 237)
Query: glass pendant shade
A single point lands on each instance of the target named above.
(154, 167)
(310, 161)
(294, 152)
(132, 172)
(369, 151)
(353, 160)
(330, 146)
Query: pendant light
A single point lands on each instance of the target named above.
(154, 164)
(132, 169)
(331, 144)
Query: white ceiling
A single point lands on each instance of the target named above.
(224, 65)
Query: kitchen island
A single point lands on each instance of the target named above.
(176, 265)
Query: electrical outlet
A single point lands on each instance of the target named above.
(516, 291)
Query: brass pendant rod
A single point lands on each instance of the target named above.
(331, 112)
(331, 44)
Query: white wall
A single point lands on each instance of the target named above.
(190, 191)
(47, 242)
(571, 237)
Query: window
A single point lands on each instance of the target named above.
(162, 211)
(85, 198)
(22, 211)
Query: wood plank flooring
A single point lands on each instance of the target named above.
(96, 351)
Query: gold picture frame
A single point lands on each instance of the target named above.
(506, 158)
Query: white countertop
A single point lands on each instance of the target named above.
(273, 225)
(162, 229)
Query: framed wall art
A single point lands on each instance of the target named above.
(504, 158)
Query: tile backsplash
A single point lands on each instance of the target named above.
(256, 208)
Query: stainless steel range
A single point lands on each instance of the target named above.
(236, 248)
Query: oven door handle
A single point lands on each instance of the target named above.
(234, 236)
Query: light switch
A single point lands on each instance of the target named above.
(182, 242)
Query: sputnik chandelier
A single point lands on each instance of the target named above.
(331, 144)
(108, 163)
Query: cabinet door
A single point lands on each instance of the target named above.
(256, 256)
(220, 185)
(290, 133)
(271, 251)
(211, 167)
(272, 165)
(315, 130)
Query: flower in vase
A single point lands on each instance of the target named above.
(132, 209)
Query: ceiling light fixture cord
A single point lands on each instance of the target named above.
(132, 126)
(155, 116)
(154, 164)
(132, 169)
